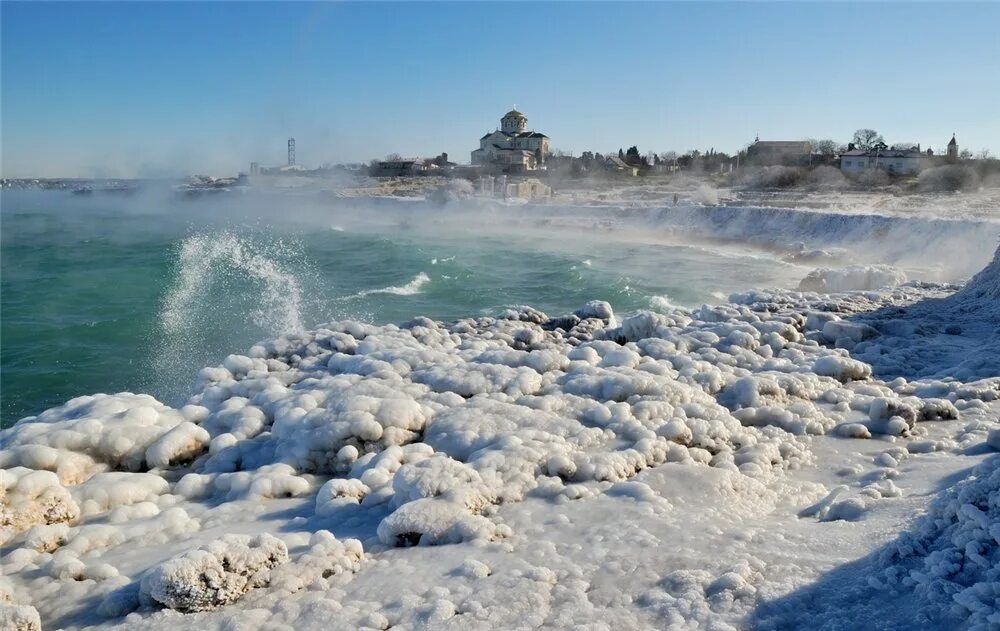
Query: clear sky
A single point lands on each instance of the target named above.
(146, 89)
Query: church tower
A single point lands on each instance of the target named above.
(514, 122)
(953, 149)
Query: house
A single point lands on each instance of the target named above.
(779, 152)
(895, 161)
(509, 146)
(617, 165)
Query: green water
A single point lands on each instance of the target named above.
(103, 294)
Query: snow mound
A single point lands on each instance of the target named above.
(952, 559)
(214, 575)
(855, 277)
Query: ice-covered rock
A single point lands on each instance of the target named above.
(89, 435)
(325, 557)
(214, 575)
(14, 617)
(826, 280)
(841, 368)
(29, 497)
(431, 521)
(183, 442)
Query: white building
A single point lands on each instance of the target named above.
(513, 146)
(893, 161)
(896, 161)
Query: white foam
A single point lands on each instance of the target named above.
(409, 289)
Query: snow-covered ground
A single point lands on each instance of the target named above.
(788, 459)
(647, 192)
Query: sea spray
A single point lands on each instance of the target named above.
(228, 291)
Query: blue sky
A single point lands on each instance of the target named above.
(127, 89)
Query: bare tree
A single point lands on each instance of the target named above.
(867, 138)
(824, 147)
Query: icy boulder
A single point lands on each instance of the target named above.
(326, 557)
(89, 435)
(340, 492)
(432, 521)
(597, 309)
(30, 497)
(19, 617)
(15, 616)
(182, 443)
(214, 575)
(827, 280)
(444, 477)
(841, 368)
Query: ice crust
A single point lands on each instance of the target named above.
(424, 434)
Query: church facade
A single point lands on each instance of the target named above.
(512, 147)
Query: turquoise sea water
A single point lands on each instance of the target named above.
(105, 293)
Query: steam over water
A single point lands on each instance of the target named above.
(105, 294)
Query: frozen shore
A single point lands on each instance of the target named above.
(712, 466)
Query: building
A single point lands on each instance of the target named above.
(779, 152)
(617, 165)
(952, 149)
(512, 147)
(398, 167)
(895, 161)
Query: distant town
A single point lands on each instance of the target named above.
(515, 161)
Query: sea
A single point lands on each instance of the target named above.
(136, 292)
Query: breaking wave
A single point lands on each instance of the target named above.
(409, 289)
(209, 264)
(228, 291)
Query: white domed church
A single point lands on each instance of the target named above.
(513, 146)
